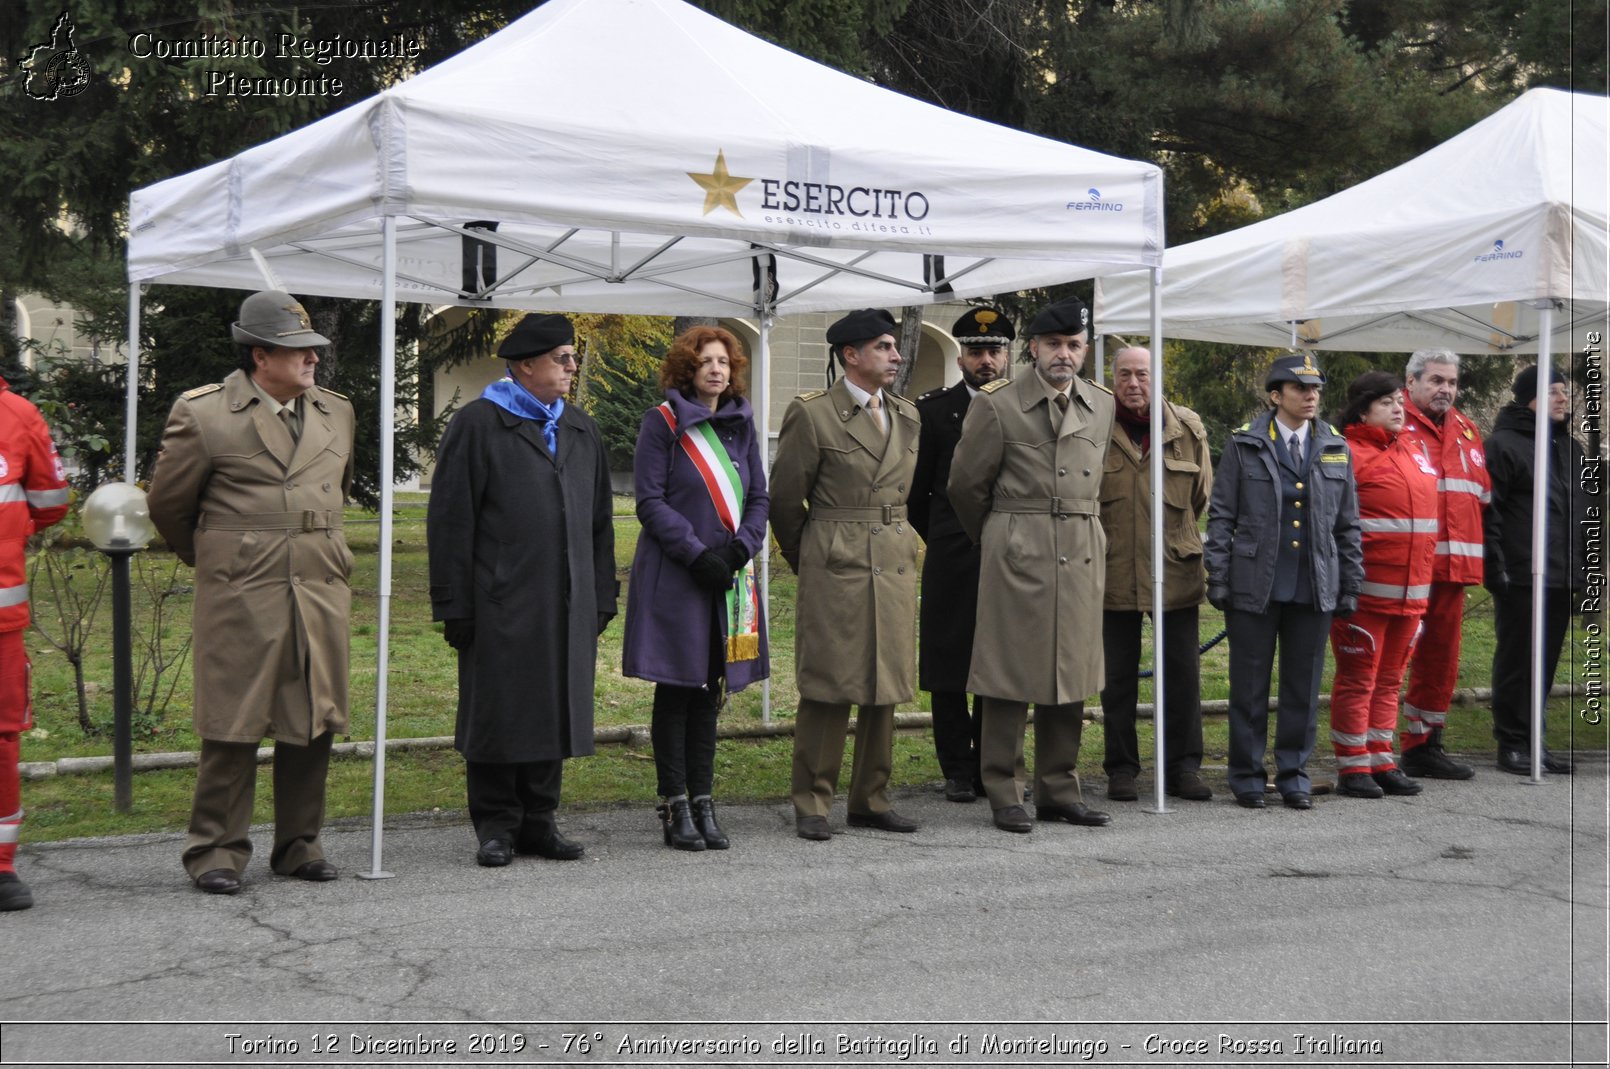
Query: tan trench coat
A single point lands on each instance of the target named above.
(258, 514)
(855, 637)
(1029, 497)
(1126, 515)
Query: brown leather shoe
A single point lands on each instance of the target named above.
(219, 882)
(318, 871)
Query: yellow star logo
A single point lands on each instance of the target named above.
(720, 187)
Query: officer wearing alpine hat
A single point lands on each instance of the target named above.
(1284, 551)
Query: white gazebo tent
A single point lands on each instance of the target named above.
(1493, 242)
(638, 156)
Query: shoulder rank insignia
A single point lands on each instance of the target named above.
(202, 391)
(332, 393)
(991, 387)
(1097, 385)
(810, 395)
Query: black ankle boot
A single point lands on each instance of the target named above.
(704, 818)
(677, 824)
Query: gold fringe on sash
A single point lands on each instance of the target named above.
(743, 647)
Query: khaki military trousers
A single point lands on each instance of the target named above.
(819, 729)
(221, 813)
(1057, 732)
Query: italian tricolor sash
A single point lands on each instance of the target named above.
(721, 480)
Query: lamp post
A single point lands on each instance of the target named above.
(117, 520)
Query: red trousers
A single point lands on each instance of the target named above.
(1435, 669)
(1371, 651)
(16, 716)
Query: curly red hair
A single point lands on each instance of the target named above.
(681, 362)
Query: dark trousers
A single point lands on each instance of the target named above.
(1300, 631)
(683, 730)
(1512, 659)
(1057, 733)
(221, 812)
(512, 802)
(957, 730)
(1182, 684)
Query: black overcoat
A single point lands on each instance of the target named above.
(523, 544)
(950, 566)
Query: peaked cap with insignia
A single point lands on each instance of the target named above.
(275, 318)
(1297, 367)
(983, 326)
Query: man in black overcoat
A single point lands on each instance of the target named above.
(950, 569)
(522, 574)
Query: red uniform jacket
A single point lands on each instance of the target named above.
(33, 496)
(1463, 487)
(1397, 509)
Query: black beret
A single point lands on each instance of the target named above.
(861, 325)
(1298, 367)
(1525, 388)
(535, 335)
(1067, 316)
(983, 326)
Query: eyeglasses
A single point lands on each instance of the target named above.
(564, 358)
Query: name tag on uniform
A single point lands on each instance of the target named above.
(1333, 458)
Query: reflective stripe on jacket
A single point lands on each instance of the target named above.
(1464, 486)
(33, 496)
(1397, 507)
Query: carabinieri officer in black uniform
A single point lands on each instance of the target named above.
(1283, 552)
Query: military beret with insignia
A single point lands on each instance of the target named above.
(983, 326)
(1067, 316)
(536, 334)
(861, 325)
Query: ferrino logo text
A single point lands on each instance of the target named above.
(1095, 203)
(1498, 252)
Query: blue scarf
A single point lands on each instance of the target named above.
(516, 399)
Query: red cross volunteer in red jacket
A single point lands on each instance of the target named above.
(33, 496)
(1453, 445)
(1397, 507)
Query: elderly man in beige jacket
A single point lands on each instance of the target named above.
(1025, 483)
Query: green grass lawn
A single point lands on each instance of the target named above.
(422, 695)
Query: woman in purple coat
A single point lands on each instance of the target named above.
(695, 625)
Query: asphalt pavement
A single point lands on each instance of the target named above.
(1467, 925)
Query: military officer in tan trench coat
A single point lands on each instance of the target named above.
(845, 458)
(249, 489)
(1026, 485)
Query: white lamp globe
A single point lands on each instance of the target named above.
(117, 517)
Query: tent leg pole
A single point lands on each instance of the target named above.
(760, 387)
(131, 385)
(1540, 483)
(1155, 461)
(388, 404)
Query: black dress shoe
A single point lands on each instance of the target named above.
(1517, 761)
(1250, 800)
(1557, 765)
(1121, 787)
(494, 853)
(813, 828)
(219, 882)
(888, 820)
(1189, 785)
(14, 894)
(1298, 800)
(1076, 813)
(318, 871)
(550, 844)
(1014, 818)
(957, 790)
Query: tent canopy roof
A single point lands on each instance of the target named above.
(643, 156)
(1446, 250)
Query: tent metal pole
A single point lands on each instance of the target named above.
(1155, 461)
(388, 404)
(760, 390)
(131, 390)
(1542, 430)
(1100, 371)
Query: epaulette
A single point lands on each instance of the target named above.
(1191, 420)
(1247, 426)
(991, 387)
(202, 391)
(810, 395)
(933, 393)
(1099, 386)
(333, 393)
